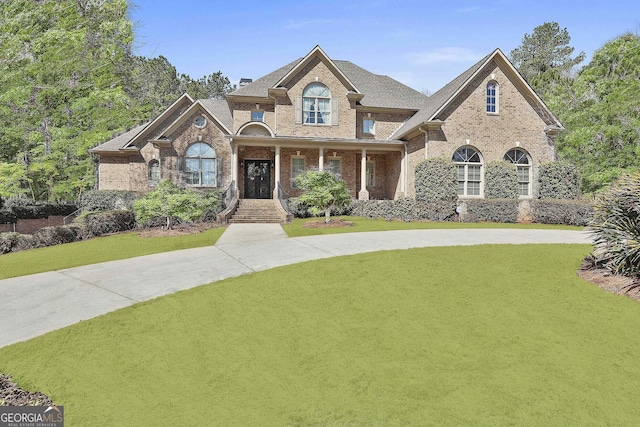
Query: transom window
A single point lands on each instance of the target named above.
(154, 170)
(469, 171)
(200, 165)
(520, 158)
(257, 116)
(297, 167)
(492, 97)
(316, 104)
(368, 126)
(335, 167)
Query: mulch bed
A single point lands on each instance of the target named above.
(334, 223)
(178, 230)
(616, 284)
(12, 395)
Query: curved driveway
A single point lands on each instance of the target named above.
(36, 304)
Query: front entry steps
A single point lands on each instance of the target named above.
(258, 211)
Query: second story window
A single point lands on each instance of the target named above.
(257, 116)
(368, 126)
(492, 98)
(316, 104)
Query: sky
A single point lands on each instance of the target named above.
(423, 44)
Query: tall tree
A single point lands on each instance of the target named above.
(59, 91)
(214, 86)
(600, 109)
(545, 57)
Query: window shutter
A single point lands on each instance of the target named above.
(219, 175)
(181, 164)
(334, 111)
(298, 110)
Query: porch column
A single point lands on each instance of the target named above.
(234, 166)
(321, 159)
(277, 172)
(363, 194)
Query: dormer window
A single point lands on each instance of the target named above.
(368, 126)
(492, 98)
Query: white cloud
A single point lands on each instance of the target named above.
(443, 54)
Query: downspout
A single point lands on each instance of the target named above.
(405, 177)
(426, 141)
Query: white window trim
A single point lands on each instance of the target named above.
(373, 127)
(328, 166)
(203, 124)
(293, 178)
(466, 194)
(257, 111)
(528, 166)
(373, 173)
(497, 97)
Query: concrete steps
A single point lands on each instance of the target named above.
(257, 211)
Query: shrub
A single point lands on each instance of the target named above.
(107, 200)
(492, 210)
(1, 202)
(568, 212)
(99, 223)
(436, 180)
(559, 180)
(501, 180)
(51, 236)
(7, 217)
(616, 226)
(26, 241)
(28, 209)
(8, 242)
(406, 209)
(172, 203)
(323, 191)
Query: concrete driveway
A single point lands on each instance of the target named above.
(33, 305)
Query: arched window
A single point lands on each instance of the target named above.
(469, 168)
(154, 170)
(200, 165)
(316, 104)
(492, 97)
(521, 159)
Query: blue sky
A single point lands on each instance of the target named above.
(423, 44)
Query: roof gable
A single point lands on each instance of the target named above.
(316, 52)
(440, 100)
(209, 106)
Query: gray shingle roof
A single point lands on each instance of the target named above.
(440, 98)
(378, 90)
(120, 141)
(220, 109)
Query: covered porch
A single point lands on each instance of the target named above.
(266, 167)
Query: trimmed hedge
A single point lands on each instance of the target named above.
(301, 210)
(492, 210)
(51, 236)
(108, 200)
(28, 209)
(8, 242)
(7, 216)
(406, 209)
(501, 180)
(559, 180)
(436, 180)
(561, 211)
(99, 223)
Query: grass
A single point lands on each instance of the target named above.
(481, 335)
(296, 228)
(101, 249)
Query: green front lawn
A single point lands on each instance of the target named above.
(101, 249)
(481, 335)
(297, 229)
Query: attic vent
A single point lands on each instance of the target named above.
(244, 81)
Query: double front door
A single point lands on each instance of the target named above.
(257, 179)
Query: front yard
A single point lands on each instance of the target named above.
(483, 335)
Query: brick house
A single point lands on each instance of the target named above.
(328, 114)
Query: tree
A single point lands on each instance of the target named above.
(600, 109)
(322, 191)
(544, 57)
(214, 86)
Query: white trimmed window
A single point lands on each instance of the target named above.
(523, 165)
(200, 165)
(335, 167)
(200, 121)
(297, 167)
(371, 174)
(368, 126)
(316, 105)
(257, 116)
(492, 98)
(154, 170)
(469, 171)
